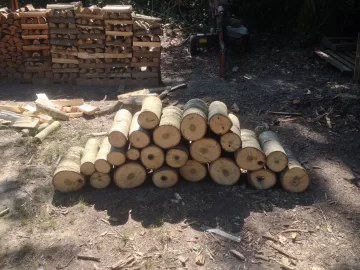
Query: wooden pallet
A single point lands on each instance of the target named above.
(339, 43)
(344, 61)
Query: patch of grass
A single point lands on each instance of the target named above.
(51, 152)
(81, 204)
(28, 144)
(157, 223)
(165, 238)
(126, 237)
(50, 223)
(24, 211)
(26, 249)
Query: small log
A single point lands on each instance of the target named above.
(101, 163)
(152, 157)
(46, 107)
(150, 113)
(194, 120)
(250, 156)
(120, 128)
(276, 159)
(132, 153)
(294, 178)
(67, 176)
(100, 180)
(177, 156)
(117, 156)
(193, 171)
(231, 141)
(205, 150)
(89, 157)
(219, 121)
(165, 177)
(130, 175)
(138, 137)
(224, 171)
(42, 126)
(261, 179)
(45, 132)
(167, 134)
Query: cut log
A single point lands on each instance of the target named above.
(167, 134)
(117, 156)
(205, 150)
(224, 171)
(120, 128)
(100, 180)
(89, 157)
(150, 113)
(231, 141)
(194, 121)
(47, 107)
(177, 156)
(294, 178)
(45, 132)
(250, 156)
(130, 175)
(152, 157)
(132, 153)
(101, 163)
(262, 179)
(138, 137)
(165, 177)
(219, 121)
(276, 159)
(193, 171)
(67, 176)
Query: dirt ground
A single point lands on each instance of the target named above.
(319, 229)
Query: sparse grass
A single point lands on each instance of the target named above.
(81, 204)
(50, 223)
(165, 238)
(43, 193)
(27, 249)
(28, 144)
(25, 176)
(126, 236)
(24, 211)
(51, 152)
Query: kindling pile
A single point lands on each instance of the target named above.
(169, 143)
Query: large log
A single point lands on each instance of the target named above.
(117, 156)
(67, 176)
(167, 134)
(276, 159)
(89, 157)
(138, 137)
(45, 132)
(120, 128)
(100, 180)
(177, 156)
(205, 150)
(150, 113)
(194, 121)
(193, 171)
(47, 107)
(101, 163)
(130, 175)
(165, 177)
(224, 171)
(152, 157)
(250, 156)
(219, 121)
(262, 179)
(132, 153)
(294, 178)
(231, 141)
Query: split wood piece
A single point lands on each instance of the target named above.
(117, 8)
(117, 156)
(280, 250)
(89, 157)
(294, 178)
(25, 122)
(250, 156)
(101, 163)
(35, 26)
(231, 141)
(132, 153)
(67, 176)
(100, 180)
(152, 157)
(194, 121)
(237, 254)
(10, 108)
(120, 128)
(150, 113)
(48, 108)
(130, 175)
(68, 102)
(165, 177)
(167, 134)
(261, 179)
(138, 137)
(205, 150)
(42, 126)
(219, 121)
(177, 156)
(224, 171)
(276, 159)
(193, 171)
(45, 132)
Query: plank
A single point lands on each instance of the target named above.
(35, 26)
(91, 46)
(61, 20)
(106, 75)
(142, 17)
(119, 43)
(26, 122)
(35, 36)
(340, 59)
(63, 31)
(118, 22)
(98, 27)
(65, 61)
(63, 42)
(145, 64)
(60, 6)
(33, 14)
(84, 55)
(36, 47)
(37, 59)
(119, 33)
(63, 52)
(12, 108)
(68, 102)
(91, 36)
(146, 54)
(333, 61)
(147, 44)
(38, 69)
(89, 16)
(348, 58)
(75, 114)
(118, 8)
(65, 70)
(145, 74)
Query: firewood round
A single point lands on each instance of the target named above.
(87, 161)
(194, 120)
(152, 157)
(193, 171)
(150, 113)
(101, 163)
(116, 156)
(224, 171)
(205, 150)
(130, 175)
(120, 128)
(165, 177)
(133, 153)
(231, 141)
(177, 156)
(262, 179)
(138, 137)
(219, 121)
(100, 180)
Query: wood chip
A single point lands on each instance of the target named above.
(88, 258)
(237, 254)
(200, 260)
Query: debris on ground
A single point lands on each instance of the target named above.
(4, 212)
(237, 254)
(87, 258)
(200, 260)
(221, 233)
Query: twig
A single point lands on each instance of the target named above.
(261, 257)
(237, 254)
(95, 134)
(283, 265)
(285, 113)
(4, 212)
(87, 257)
(270, 237)
(105, 221)
(62, 267)
(297, 230)
(279, 249)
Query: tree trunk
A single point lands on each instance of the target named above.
(49, 110)
(193, 171)
(101, 163)
(194, 120)
(165, 177)
(130, 175)
(177, 156)
(100, 180)
(45, 132)
(89, 157)
(224, 171)
(133, 153)
(138, 137)
(67, 176)
(152, 157)
(167, 134)
(294, 178)
(250, 156)
(120, 128)
(262, 179)
(219, 121)
(150, 113)
(231, 141)
(205, 150)
(117, 156)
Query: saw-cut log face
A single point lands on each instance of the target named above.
(205, 150)
(224, 171)
(67, 181)
(176, 158)
(152, 157)
(262, 179)
(193, 171)
(295, 180)
(100, 180)
(130, 175)
(165, 177)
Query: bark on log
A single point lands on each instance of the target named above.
(294, 178)
(89, 157)
(100, 180)
(120, 128)
(132, 153)
(231, 141)
(138, 137)
(276, 159)
(117, 156)
(130, 175)
(44, 106)
(224, 171)
(194, 121)
(165, 177)
(167, 134)
(67, 176)
(219, 121)
(45, 132)
(150, 113)
(250, 156)
(205, 150)
(177, 156)
(262, 179)
(193, 171)
(152, 157)
(101, 163)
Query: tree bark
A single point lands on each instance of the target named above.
(138, 137)
(130, 175)
(165, 177)
(219, 121)
(262, 179)
(231, 141)
(89, 157)
(194, 120)
(193, 171)
(150, 113)
(205, 150)
(224, 171)
(45, 132)
(101, 163)
(152, 157)
(119, 130)
(100, 180)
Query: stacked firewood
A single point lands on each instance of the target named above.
(172, 143)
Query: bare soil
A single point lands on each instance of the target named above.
(48, 229)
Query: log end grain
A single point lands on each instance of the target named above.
(133, 153)
(193, 171)
(224, 171)
(230, 142)
(139, 139)
(276, 161)
(68, 181)
(116, 137)
(262, 179)
(152, 157)
(148, 120)
(100, 180)
(87, 168)
(193, 125)
(165, 177)
(176, 157)
(250, 158)
(219, 121)
(166, 136)
(130, 175)
(116, 158)
(101, 165)
(205, 150)
(295, 179)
